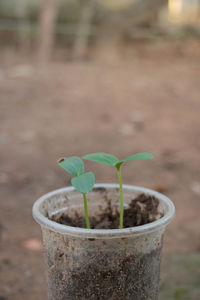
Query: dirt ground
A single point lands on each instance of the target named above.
(147, 101)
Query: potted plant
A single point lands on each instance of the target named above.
(102, 241)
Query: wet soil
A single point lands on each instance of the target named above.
(142, 210)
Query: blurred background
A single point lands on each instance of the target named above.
(80, 76)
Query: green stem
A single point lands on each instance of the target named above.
(86, 212)
(121, 198)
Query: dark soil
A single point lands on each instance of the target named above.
(142, 210)
(135, 277)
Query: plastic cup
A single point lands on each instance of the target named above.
(101, 263)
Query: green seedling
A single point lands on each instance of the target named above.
(82, 182)
(111, 160)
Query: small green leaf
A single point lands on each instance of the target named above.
(73, 165)
(84, 183)
(102, 158)
(138, 156)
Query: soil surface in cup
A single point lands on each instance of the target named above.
(142, 210)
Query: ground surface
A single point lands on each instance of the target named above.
(147, 102)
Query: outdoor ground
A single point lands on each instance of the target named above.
(147, 100)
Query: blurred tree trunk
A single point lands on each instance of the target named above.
(21, 13)
(84, 28)
(46, 29)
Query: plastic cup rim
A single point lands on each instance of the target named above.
(104, 233)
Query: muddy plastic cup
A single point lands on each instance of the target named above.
(101, 263)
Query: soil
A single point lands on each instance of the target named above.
(105, 269)
(141, 210)
(134, 277)
(145, 100)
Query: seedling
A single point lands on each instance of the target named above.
(111, 160)
(82, 182)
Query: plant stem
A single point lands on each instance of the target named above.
(121, 198)
(86, 212)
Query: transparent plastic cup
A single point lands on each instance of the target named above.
(101, 263)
